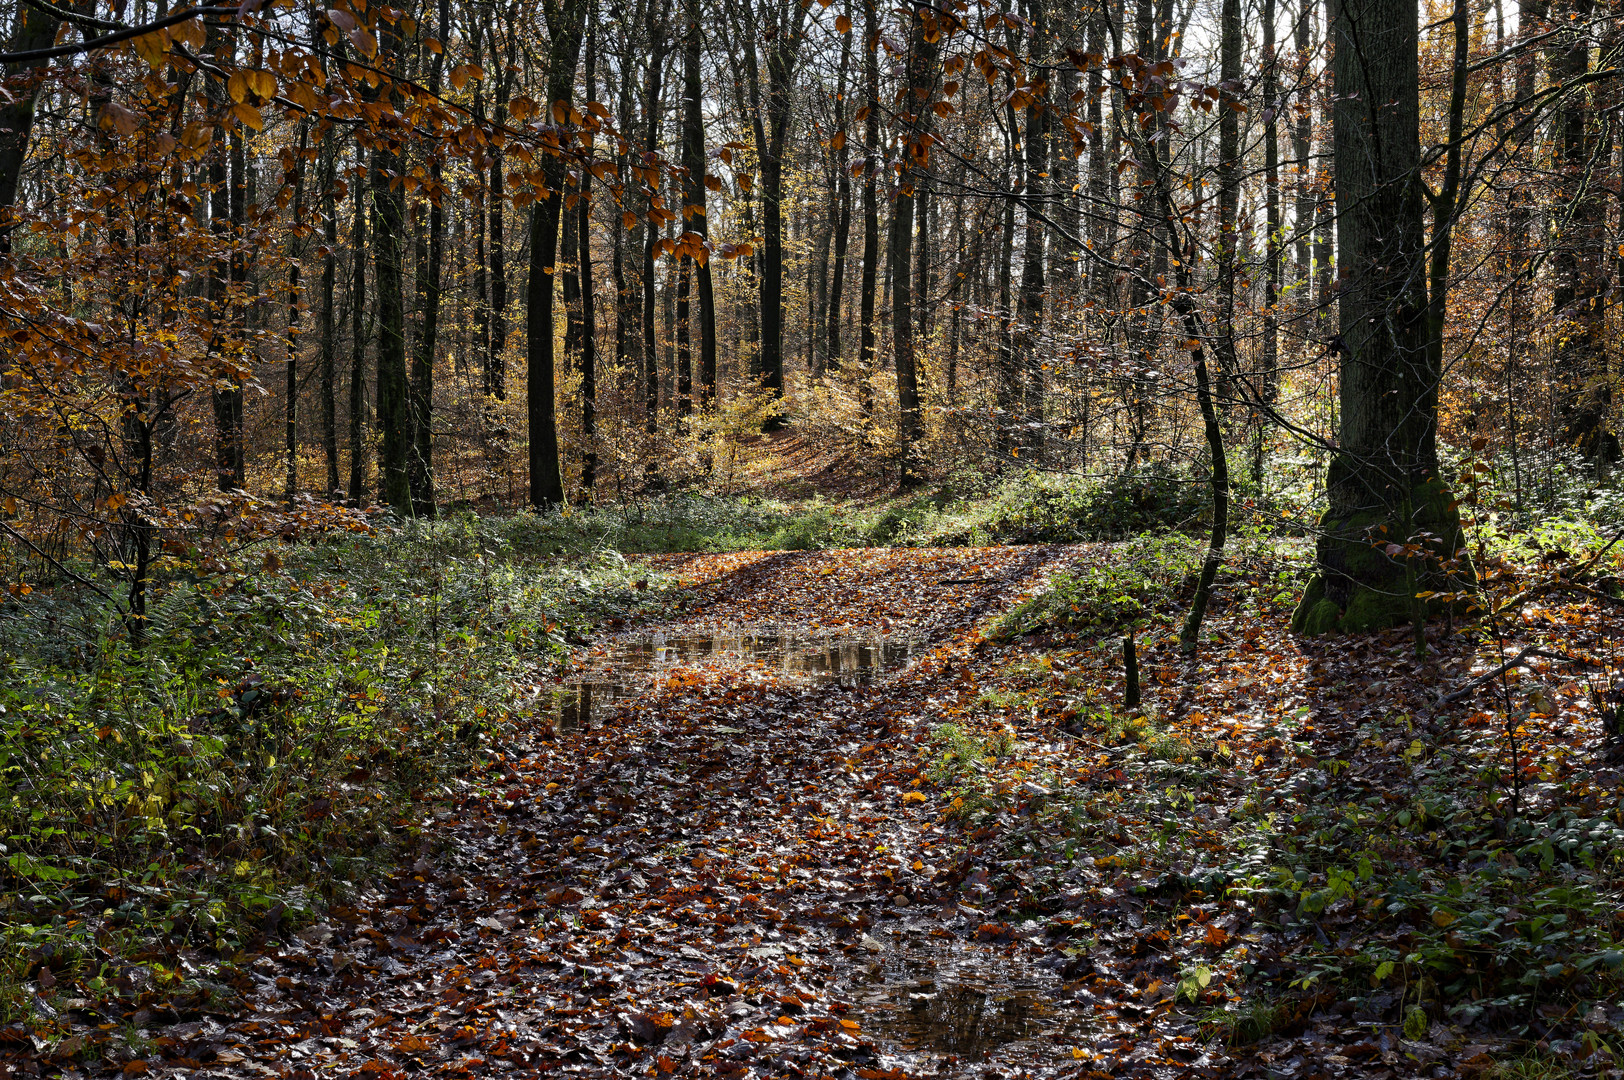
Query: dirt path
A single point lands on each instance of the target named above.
(734, 874)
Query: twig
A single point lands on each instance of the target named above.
(1515, 661)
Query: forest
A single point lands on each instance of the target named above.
(827, 538)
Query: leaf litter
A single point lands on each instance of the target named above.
(971, 863)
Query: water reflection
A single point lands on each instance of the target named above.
(627, 666)
(960, 999)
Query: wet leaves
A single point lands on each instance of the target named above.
(971, 865)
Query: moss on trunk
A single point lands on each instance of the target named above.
(1362, 587)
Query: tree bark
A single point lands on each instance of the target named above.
(565, 26)
(694, 198)
(358, 341)
(329, 319)
(394, 408)
(430, 290)
(588, 343)
(1584, 393)
(37, 31)
(1389, 511)
(871, 214)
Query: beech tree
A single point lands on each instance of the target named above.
(1392, 528)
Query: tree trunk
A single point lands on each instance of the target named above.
(915, 135)
(871, 214)
(358, 343)
(290, 407)
(694, 198)
(1391, 523)
(394, 408)
(588, 343)
(1301, 135)
(840, 214)
(430, 290)
(651, 128)
(329, 320)
(1584, 394)
(565, 25)
(499, 291)
(1266, 379)
(1029, 303)
(1229, 187)
(37, 31)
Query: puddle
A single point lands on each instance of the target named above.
(960, 999)
(625, 667)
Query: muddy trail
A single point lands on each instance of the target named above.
(720, 866)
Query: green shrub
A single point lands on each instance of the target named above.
(1108, 593)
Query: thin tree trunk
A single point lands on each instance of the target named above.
(871, 215)
(430, 290)
(1229, 188)
(290, 412)
(329, 333)
(693, 160)
(588, 354)
(394, 409)
(566, 23)
(1029, 313)
(499, 289)
(358, 343)
(1273, 243)
(841, 212)
(651, 127)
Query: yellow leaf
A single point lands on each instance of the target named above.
(263, 85)
(153, 47)
(115, 500)
(1442, 918)
(249, 115)
(914, 796)
(197, 136)
(237, 86)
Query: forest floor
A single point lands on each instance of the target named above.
(881, 813)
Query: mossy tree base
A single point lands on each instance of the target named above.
(1360, 587)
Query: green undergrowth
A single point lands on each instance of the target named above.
(282, 733)
(1387, 870)
(1114, 591)
(972, 510)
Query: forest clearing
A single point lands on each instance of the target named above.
(763, 538)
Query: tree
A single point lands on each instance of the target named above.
(913, 111)
(779, 37)
(420, 471)
(1392, 529)
(695, 180)
(869, 114)
(566, 21)
(388, 245)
